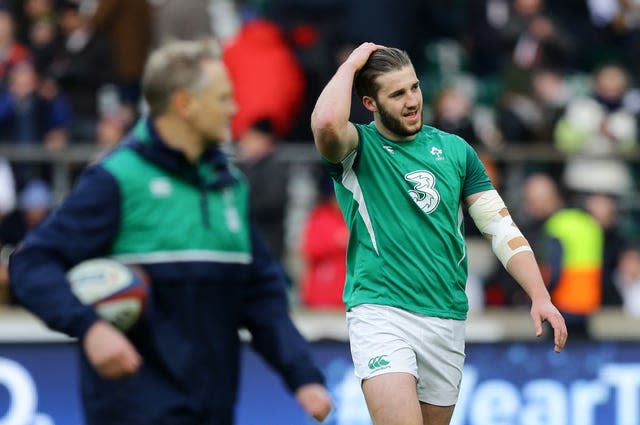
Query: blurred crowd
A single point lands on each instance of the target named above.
(525, 73)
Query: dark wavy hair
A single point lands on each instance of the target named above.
(380, 62)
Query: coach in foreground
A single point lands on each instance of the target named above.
(167, 200)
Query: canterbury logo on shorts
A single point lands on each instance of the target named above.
(377, 362)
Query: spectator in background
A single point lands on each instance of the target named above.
(12, 52)
(81, 66)
(27, 12)
(541, 198)
(31, 114)
(593, 130)
(35, 203)
(324, 249)
(532, 37)
(485, 18)
(268, 80)
(406, 27)
(267, 182)
(605, 209)
(616, 26)
(531, 116)
(180, 20)
(40, 32)
(226, 18)
(313, 28)
(112, 127)
(452, 113)
(572, 253)
(127, 24)
(627, 279)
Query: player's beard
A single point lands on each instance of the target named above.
(395, 125)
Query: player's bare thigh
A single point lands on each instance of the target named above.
(436, 415)
(392, 400)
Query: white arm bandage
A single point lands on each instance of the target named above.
(493, 219)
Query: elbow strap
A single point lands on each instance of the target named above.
(493, 219)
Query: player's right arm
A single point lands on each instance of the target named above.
(334, 135)
(83, 227)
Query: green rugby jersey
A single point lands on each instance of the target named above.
(213, 222)
(402, 202)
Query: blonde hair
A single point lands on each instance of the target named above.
(176, 65)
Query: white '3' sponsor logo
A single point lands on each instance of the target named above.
(423, 193)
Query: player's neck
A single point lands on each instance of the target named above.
(177, 134)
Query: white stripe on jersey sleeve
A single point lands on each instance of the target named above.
(350, 182)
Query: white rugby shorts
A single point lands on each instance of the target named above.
(386, 339)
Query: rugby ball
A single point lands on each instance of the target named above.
(117, 292)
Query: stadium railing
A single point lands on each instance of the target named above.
(484, 325)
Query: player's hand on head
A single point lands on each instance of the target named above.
(361, 54)
(547, 312)
(110, 352)
(315, 400)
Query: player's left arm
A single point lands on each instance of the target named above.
(493, 219)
